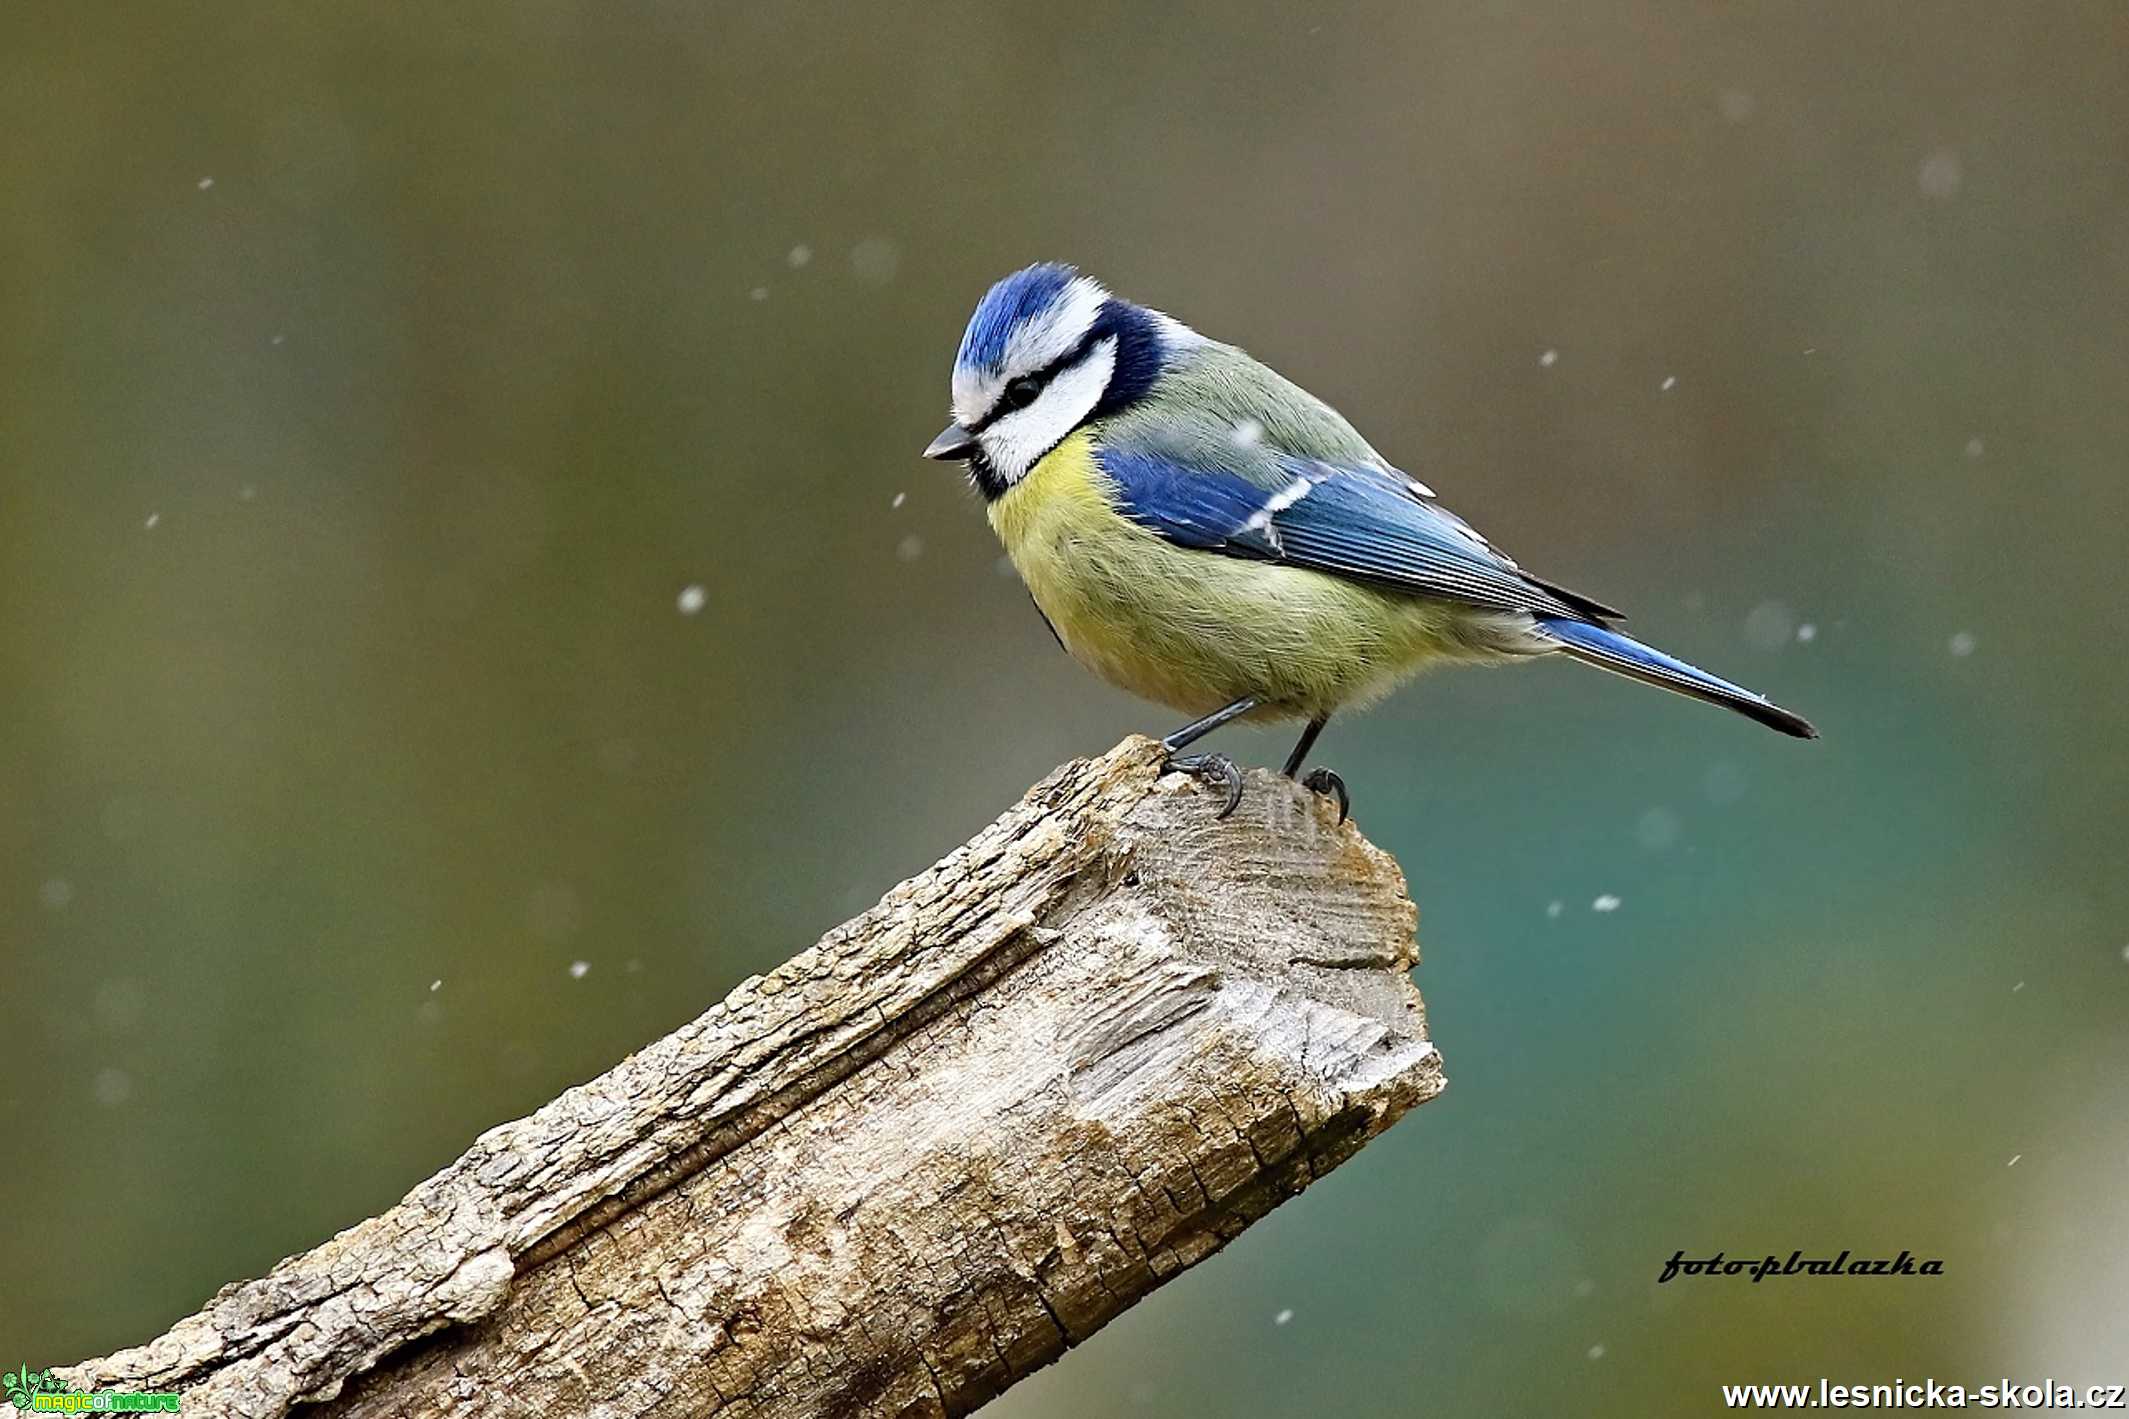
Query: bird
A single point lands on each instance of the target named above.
(1199, 530)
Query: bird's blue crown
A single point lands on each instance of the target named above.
(1048, 317)
(1008, 305)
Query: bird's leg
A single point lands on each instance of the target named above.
(1324, 781)
(1197, 729)
(1308, 742)
(1213, 767)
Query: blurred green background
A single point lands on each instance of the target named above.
(381, 376)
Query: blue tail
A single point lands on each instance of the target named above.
(1622, 655)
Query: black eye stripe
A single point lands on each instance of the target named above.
(1042, 377)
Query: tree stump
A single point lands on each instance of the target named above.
(911, 1165)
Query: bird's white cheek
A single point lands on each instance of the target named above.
(1015, 442)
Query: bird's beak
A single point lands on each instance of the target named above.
(953, 446)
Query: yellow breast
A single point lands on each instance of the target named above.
(1193, 629)
(1061, 490)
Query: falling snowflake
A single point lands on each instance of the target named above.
(112, 1087)
(1770, 625)
(1657, 829)
(875, 260)
(1940, 176)
(1605, 903)
(1723, 783)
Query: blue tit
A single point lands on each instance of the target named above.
(1205, 533)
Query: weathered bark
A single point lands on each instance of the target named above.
(904, 1169)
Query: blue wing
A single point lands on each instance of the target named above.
(1357, 521)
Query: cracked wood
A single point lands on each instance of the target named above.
(904, 1169)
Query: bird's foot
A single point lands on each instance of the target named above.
(1215, 769)
(1327, 783)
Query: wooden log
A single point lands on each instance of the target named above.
(911, 1165)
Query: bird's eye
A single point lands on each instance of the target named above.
(1022, 392)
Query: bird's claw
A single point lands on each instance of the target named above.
(1327, 783)
(1215, 769)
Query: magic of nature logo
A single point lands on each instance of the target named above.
(42, 1392)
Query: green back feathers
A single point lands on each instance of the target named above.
(1216, 407)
